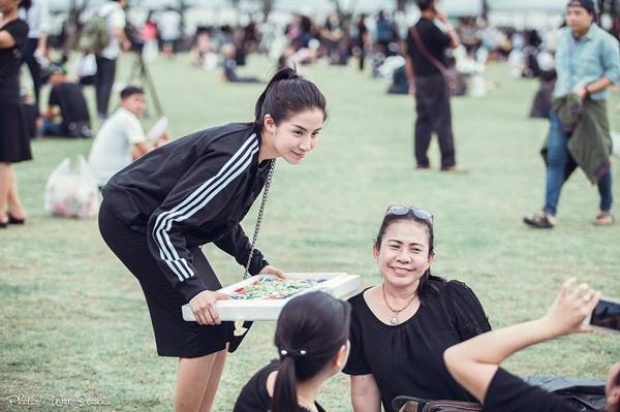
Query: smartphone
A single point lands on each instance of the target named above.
(606, 315)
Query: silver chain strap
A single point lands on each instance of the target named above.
(259, 219)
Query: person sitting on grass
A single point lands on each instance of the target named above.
(121, 139)
(67, 111)
(229, 65)
(401, 327)
(312, 338)
(475, 364)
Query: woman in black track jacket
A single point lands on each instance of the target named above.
(157, 212)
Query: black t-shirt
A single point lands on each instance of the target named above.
(70, 99)
(509, 393)
(11, 59)
(436, 42)
(407, 359)
(254, 396)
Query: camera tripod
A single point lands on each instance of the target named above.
(139, 70)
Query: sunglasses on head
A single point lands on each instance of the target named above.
(400, 210)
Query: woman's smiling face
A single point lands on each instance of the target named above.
(296, 136)
(404, 256)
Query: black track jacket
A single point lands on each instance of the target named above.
(189, 192)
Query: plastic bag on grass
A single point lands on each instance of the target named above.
(71, 190)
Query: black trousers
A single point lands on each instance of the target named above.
(35, 69)
(104, 81)
(433, 116)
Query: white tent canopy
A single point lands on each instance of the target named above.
(461, 7)
(549, 6)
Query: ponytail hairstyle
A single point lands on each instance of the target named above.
(287, 94)
(311, 330)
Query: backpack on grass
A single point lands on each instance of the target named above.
(583, 394)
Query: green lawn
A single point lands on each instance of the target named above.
(74, 326)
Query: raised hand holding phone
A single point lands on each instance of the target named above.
(605, 316)
(571, 307)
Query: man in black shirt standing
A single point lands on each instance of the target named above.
(426, 71)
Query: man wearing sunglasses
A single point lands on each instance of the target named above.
(587, 63)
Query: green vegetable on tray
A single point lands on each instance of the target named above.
(273, 288)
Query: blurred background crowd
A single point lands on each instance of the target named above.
(329, 31)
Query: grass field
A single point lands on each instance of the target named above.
(74, 326)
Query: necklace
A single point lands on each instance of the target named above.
(395, 312)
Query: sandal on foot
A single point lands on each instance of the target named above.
(15, 221)
(604, 219)
(540, 220)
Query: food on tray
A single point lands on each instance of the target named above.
(273, 288)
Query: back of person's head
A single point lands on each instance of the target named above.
(228, 50)
(425, 4)
(25, 4)
(312, 330)
(306, 24)
(56, 74)
(286, 95)
(130, 91)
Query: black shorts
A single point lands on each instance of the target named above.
(173, 335)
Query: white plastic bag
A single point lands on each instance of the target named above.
(71, 190)
(86, 66)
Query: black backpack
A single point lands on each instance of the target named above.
(585, 394)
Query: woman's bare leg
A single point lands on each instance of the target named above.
(14, 205)
(214, 381)
(197, 382)
(5, 175)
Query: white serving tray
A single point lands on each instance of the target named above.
(339, 285)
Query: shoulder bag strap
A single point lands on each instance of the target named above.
(259, 219)
(416, 38)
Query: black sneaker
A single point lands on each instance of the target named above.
(540, 220)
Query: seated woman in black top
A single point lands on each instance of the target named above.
(475, 363)
(400, 328)
(312, 340)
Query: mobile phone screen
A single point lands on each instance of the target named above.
(606, 315)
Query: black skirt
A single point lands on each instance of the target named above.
(14, 135)
(173, 335)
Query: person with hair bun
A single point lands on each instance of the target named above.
(401, 327)
(312, 338)
(157, 212)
